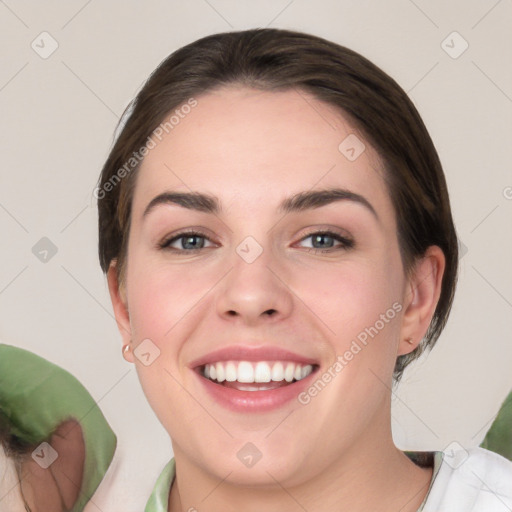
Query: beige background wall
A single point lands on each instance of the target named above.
(58, 116)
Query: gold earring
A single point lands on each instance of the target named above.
(410, 341)
(125, 350)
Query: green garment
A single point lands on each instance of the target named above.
(499, 436)
(36, 396)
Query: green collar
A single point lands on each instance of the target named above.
(159, 499)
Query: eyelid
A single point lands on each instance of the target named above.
(164, 243)
(342, 236)
(341, 244)
(335, 232)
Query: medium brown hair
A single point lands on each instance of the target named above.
(279, 60)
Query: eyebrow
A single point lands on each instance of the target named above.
(297, 203)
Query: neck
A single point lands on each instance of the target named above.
(372, 475)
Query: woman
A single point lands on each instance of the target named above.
(276, 232)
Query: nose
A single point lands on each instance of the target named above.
(254, 293)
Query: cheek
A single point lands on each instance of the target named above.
(162, 300)
(158, 296)
(361, 303)
(352, 297)
(152, 305)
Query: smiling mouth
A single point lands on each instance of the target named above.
(256, 376)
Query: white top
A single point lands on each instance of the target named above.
(474, 480)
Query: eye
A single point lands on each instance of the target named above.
(321, 241)
(324, 241)
(186, 242)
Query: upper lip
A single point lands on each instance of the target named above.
(248, 353)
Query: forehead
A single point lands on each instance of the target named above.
(253, 148)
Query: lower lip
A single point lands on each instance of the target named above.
(255, 401)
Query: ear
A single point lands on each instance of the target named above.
(120, 306)
(421, 297)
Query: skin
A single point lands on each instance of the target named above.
(336, 453)
(57, 487)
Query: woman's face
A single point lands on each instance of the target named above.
(262, 289)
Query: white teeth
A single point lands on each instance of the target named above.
(221, 374)
(289, 371)
(231, 372)
(278, 372)
(260, 372)
(306, 370)
(245, 372)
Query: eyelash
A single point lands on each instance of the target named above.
(346, 243)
